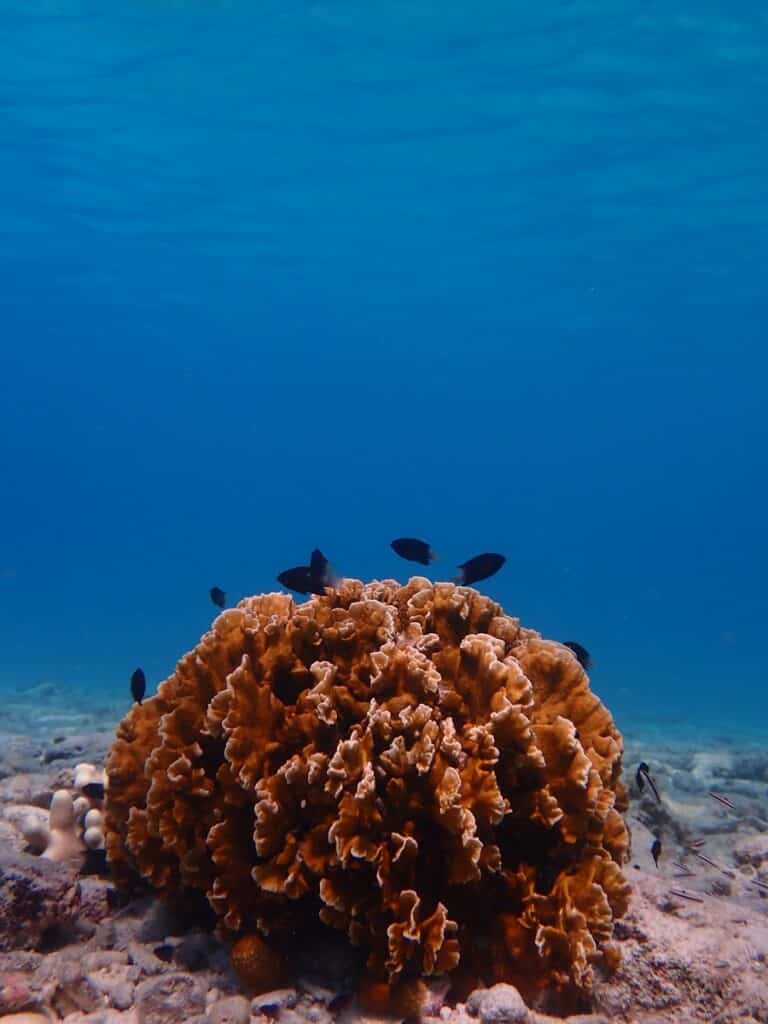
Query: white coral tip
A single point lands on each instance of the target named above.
(62, 814)
(94, 838)
(94, 819)
(35, 832)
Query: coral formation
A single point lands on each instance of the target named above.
(406, 762)
(257, 966)
(75, 824)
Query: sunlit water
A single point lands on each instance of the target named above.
(278, 275)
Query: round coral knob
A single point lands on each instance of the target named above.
(259, 968)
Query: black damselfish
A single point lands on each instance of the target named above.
(479, 568)
(413, 550)
(138, 685)
(298, 578)
(643, 775)
(582, 654)
(218, 596)
(656, 850)
(309, 579)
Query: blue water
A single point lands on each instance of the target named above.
(278, 275)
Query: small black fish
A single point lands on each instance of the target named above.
(724, 800)
(218, 596)
(299, 579)
(656, 850)
(413, 550)
(479, 568)
(309, 579)
(138, 685)
(642, 776)
(582, 654)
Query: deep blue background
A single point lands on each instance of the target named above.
(283, 274)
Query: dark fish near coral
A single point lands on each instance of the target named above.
(642, 776)
(299, 579)
(656, 850)
(138, 685)
(479, 568)
(684, 872)
(309, 579)
(218, 596)
(686, 895)
(413, 550)
(723, 800)
(582, 654)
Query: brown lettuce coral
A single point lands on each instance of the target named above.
(405, 762)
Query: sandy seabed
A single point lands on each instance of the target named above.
(695, 943)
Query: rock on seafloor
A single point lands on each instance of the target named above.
(501, 1004)
(36, 896)
(169, 998)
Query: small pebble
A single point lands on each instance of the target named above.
(232, 1010)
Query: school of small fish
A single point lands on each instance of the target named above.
(643, 777)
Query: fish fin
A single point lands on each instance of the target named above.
(318, 563)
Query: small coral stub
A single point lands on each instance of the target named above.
(406, 763)
(75, 822)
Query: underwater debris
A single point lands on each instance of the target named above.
(218, 596)
(413, 550)
(400, 762)
(138, 685)
(479, 568)
(582, 654)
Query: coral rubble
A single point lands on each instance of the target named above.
(405, 763)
